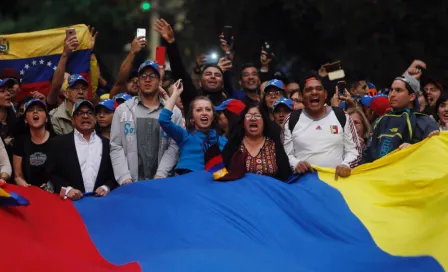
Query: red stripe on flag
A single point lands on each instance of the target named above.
(51, 235)
(212, 162)
(44, 88)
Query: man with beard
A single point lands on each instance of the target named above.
(211, 81)
(140, 149)
(321, 136)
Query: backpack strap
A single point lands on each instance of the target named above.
(340, 114)
(293, 119)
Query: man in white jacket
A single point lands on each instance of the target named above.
(140, 150)
(321, 135)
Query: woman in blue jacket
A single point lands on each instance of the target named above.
(201, 131)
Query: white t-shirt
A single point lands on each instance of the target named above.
(322, 142)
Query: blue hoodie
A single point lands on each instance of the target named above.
(191, 145)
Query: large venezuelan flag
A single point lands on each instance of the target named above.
(388, 216)
(36, 55)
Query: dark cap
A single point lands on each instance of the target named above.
(10, 73)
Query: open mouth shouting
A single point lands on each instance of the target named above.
(253, 127)
(314, 101)
(204, 120)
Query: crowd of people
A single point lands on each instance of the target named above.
(154, 123)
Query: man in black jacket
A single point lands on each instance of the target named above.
(80, 162)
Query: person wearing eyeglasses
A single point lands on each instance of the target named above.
(405, 125)
(79, 161)
(273, 90)
(321, 135)
(255, 141)
(140, 149)
(61, 117)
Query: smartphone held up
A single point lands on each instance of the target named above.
(70, 32)
(141, 32)
(342, 85)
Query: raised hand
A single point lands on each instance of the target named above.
(178, 88)
(138, 44)
(165, 30)
(224, 45)
(225, 64)
(415, 70)
(38, 95)
(200, 60)
(93, 34)
(70, 44)
(265, 59)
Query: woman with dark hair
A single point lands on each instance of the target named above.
(229, 114)
(257, 139)
(296, 97)
(274, 90)
(32, 146)
(201, 131)
(442, 112)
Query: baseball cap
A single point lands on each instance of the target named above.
(10, 73)
(371, 89)
(107, 103)
(380, 105)
(5, 81)
(413, 86)
(232, 105)
(35, 101)
(149, 63)
(283, 101)
(276, 83)
(71, 80)
(81, 103)
(123, 96)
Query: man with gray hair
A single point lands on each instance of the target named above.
(404, 125)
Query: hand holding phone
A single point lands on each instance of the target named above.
(178, 87)
(342, 85)
(141, 32)
(228, 34)
(71, 42)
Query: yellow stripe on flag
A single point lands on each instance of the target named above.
(3, 193)
(403, 198)
(42, 43)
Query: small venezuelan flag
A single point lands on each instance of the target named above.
(12, 199)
